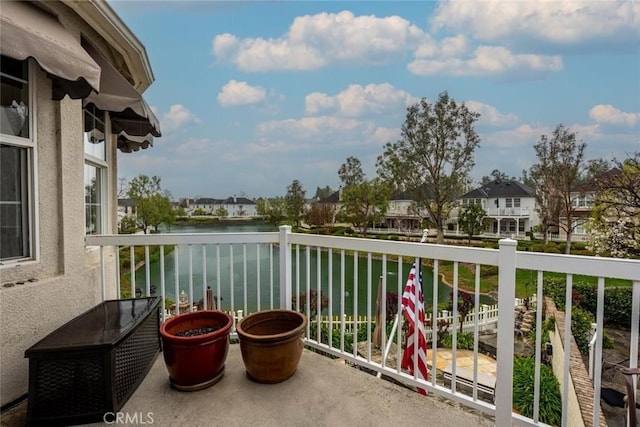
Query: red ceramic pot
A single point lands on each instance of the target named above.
(196, 362)
(271, 344)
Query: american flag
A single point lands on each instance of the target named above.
(411, 301)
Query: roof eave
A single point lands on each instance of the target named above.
(101, 17)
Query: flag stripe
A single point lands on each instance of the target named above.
(415, 356)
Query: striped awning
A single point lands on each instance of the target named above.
(26, 31)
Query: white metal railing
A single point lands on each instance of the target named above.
(506, 212)
(255, 271)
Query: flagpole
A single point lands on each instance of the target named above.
(418, 264)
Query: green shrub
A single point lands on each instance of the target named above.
(464, 340)
(552, 248)
(581, 321)
(523, 388)
(562, 247)
(617, 303)
(537, 247)
(607, 341)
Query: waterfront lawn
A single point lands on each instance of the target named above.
(526, 280)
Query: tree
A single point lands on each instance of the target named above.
(596, 168)
(262, 206)
(320, 214)
(275, 211)
(163, 211)
(221, 212)
(142, 190)
(294, 202)
(434, 156)
(615, 223)
(471, 220)
(547, 199)
(322, 193)
(364, 202)
(122, 187)
(496, 174)
(558, 171)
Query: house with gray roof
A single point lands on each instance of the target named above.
(509, 206)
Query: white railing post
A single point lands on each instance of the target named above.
(485, 316)
(506, 296)
(285, 268)
(592, 345)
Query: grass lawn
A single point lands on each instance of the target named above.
(526, 280)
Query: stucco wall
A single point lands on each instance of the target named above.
(37, 297)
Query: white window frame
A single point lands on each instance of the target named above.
(103, 169)
(516, 202)
(30, 144)
(508, 202)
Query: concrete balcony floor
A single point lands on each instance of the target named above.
(323, 392)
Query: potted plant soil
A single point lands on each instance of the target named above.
(271, 344)
(195, 347)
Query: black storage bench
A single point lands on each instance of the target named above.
(91, 365)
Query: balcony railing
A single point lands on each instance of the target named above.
(257, 271)
(521, 212)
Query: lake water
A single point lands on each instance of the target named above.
(229, 275)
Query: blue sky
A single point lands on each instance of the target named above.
(252, 95)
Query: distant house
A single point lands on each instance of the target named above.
(402, 213)
(332, 203)
(239, 206)
(582, 198)
(509, 206)
(71, 104)
(235, 206)
(126, 207)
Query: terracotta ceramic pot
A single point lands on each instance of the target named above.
(271, 344)
(196, 362)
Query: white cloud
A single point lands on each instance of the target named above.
(357, 100)
(447, 47)
(224, 45)
(487, 60)
(177, 117)
(314, 41)
(383, 135)
(610, 115)
(318, 102)
(524, 135)
(491, 115)
(322, 128)
(568, 22)
(240, 93)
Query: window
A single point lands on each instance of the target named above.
(579, 226)
(16, 161)
(516, 202)
(95, 170)
(508, 203)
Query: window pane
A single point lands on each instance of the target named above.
(516, 202)
(93, 217)
(94, 144)
(14, 231)
(14, 97)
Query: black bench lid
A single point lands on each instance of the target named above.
(103, 325)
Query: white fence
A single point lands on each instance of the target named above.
(487, 320)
